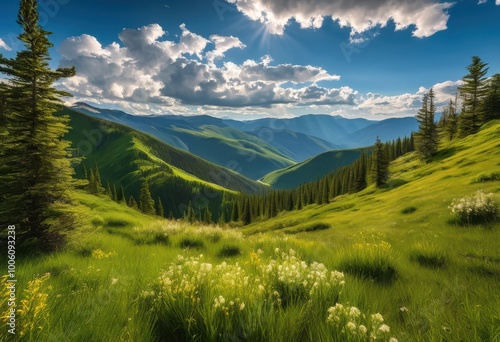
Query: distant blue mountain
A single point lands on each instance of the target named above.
(256, 147)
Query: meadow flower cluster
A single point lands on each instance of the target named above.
(33, 313)
(351, 324)
(478, 208)
(208, 300)
(295, 280)
(99, 254)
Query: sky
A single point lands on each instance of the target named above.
(248, 59)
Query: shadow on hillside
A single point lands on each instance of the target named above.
(445, 154)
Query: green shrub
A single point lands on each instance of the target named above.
(372, 261)
(229, 251)
(479, 208)
(408, 210)
(428, 256)
(191, 243)
(487, 177)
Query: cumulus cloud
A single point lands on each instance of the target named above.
(223, 44)
(405, 104)
(147, 69)
(427, 16)
(4, 45)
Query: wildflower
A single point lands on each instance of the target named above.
(377, 318)
(354, 312)
(384, 328)
(242, 306)
(362, 329)
(114, 281)
(351, 326)
(393, 339)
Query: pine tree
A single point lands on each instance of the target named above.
(473, 92)
(108, 191)
(380, 164)
(207, 216)
(132, 203)
(450, 128)
(98, 184)
(427, 138)
(115, 194)
(146, 202)
(122, 198)
(92, 184)
(85, 174)
(36, 174)
(492, 100)
(159, 208)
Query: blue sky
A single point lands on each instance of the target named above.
(247, 59)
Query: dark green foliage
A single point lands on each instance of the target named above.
(491, 104)
(229, 251)
(94, 182)
(429, 260)
(146, 204)
(132, 203)
(375, 269)
(448, 124)
(426, 139)
(191, 243)
(35, 172)
(487, 177)
(159, 208)
(380, 164)
(309, 228)
(408, 210)
(473, 93)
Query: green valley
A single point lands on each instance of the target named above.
(311, 169)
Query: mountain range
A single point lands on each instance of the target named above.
(255, 148)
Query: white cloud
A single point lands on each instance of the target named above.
(147, 69)
(405, 104)
(427, 16)
(4, 45)
(146, 73)
(223, 44)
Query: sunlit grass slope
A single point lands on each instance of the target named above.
(444, 273)
(127, 276)
(122, 153)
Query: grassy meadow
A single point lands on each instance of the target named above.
(383, 264)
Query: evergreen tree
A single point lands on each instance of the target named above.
(426, 138)
(473, 92)
(132, 203)
(108, 191)
(235, 212)
(92, 184)
(36, 174)
(115, 194)
(122, 198)
(98, 184)
(450, 128)
(380, 164)
(147, 204)
(492, 100)
(207, 216)
(85, 174)
(159, 208)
